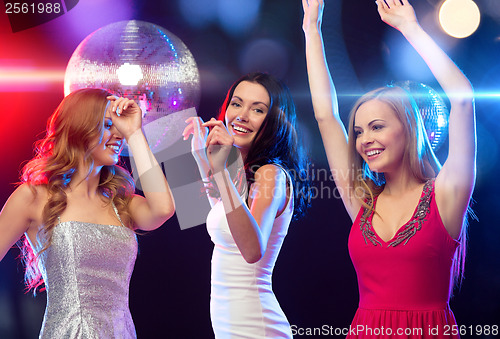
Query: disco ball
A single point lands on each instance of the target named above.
(435, 114)
(145, 62)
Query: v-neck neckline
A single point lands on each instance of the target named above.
(389, 242)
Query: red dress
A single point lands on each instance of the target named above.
(405, 283)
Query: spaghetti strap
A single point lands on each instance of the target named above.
(289, 178)
(289, 184)
(116, 212)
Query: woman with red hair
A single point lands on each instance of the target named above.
(78, 212)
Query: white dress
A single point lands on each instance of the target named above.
(242, 302)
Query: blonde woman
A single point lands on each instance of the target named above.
(407, 242)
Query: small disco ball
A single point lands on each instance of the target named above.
(434, 112)
(145, 62)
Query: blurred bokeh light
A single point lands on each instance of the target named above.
(459, 18)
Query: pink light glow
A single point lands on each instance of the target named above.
(28, 79)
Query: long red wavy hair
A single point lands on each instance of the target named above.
(71, 131)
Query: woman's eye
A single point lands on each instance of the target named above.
(258, 110)
(376, 127)
(108, 125)
(357, 133)
(235, 104)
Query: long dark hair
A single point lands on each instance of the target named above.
(276, 142)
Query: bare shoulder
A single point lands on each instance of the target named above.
(269, 185)
(270, 173)
(31, 193)
(24, 194)
(30, 199)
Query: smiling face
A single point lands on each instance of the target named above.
(106, 150)
(246, 112)
(380, 136)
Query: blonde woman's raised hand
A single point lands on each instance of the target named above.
(313, 14)
(397, 13)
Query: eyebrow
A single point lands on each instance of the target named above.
(254, 103)
(371, 122)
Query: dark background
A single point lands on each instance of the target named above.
(314, 279)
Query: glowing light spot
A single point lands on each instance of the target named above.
(129, 75)
(441, 121)
(459, 18)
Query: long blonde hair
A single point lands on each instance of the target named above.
(418, 157)
(71, 130)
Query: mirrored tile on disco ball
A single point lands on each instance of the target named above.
(434, 112)
(141, 61)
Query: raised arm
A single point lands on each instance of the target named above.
(250, 226)
(324, 100)
(455, 182)
(151, 211)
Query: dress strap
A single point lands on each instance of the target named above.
(289, 184)
(116, 212)
(289, 178)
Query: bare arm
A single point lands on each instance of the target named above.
(15, 217)
(250, 227)
(157, 205)
(151, 211)
(324, 100)
(455, 182)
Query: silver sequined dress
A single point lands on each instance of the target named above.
(87, 271)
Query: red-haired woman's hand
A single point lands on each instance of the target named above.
(126, 115)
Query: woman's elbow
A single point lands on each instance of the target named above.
(253, 256)
(164, 213)
(168, 212)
